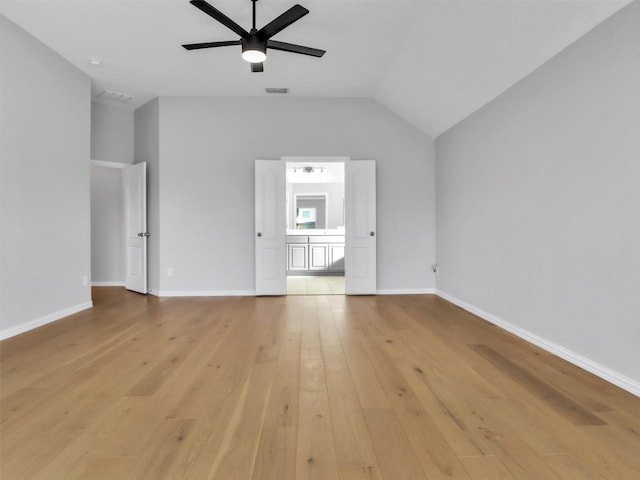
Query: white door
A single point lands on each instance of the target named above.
(360, 227)
(271, 275)
(135, 204)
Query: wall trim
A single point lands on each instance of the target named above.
(112, 283)
(252, 293)
(204, 293)
(405, 291)
(611, 376)
(40, 321)
(314, 158)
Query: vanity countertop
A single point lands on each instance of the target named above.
(328, 231)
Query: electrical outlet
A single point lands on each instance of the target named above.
(170, 272)
(436, 269)
(85, 280)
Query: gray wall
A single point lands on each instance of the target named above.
(207, 151)
(107, 217)
(44, 183)
(147, 149)
(538, 201)
(111, 133)
(112, 130)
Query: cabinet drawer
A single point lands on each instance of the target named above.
(326, 239)
(297, 239)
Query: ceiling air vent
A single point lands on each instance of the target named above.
(114, 96)
(276, 90)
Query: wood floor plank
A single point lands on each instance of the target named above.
(316, 455)
(567, 466)
(276, 455)
(102, 467)
(486, 468)
(312, 377)
(18, 463)
(436, 456)
(236, 457)
(351, 437)
(570, 409)
(360, 473)
(167, 443)
(288, 388)
(396, 458)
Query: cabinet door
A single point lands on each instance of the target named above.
(336, 257)
(297, 257)
(318, 256)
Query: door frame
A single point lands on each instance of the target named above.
(327, 159)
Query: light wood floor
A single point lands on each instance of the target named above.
(301, 387)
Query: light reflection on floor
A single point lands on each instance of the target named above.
(323, 285)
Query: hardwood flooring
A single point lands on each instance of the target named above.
(301, 387)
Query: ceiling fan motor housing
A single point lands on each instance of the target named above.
(254, 42)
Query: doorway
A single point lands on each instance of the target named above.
(352, 250)
(315, 222)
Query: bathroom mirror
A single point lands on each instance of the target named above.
(310, 211)
(315, 196)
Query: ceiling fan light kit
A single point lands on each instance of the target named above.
(255, 43)
(254, 50)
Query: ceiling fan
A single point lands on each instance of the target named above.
(256, 42)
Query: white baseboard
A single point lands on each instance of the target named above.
(204, 293)
(405, 291)
(252, 293)
(38, 322)
(611, 376)
(114, 283)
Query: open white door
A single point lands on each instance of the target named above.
(360, 229)
(135, 204)
(271, 274)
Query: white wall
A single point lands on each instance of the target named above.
(146, 149)
(207, 151)
(107, 217)
(111, 133)
(538, 203)
(44, 183)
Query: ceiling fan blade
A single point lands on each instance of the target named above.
(219, 16)
(283, 21)
(290, 47)
(196, 46)
(257, 67)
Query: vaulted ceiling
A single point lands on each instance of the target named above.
(432, 62)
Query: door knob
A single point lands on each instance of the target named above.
(259, 234)
(371, 234)
(140, 234)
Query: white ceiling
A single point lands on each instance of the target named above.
(432, 62)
